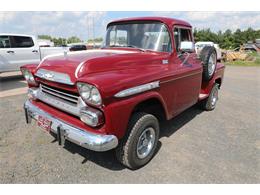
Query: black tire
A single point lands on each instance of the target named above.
(205, 56)
(127, 152)
(209, 103)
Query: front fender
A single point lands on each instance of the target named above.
(30, 67)
(118, 113)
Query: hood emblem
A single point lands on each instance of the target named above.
(54, 76)
(48, 75)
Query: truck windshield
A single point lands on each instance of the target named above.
(146, 36)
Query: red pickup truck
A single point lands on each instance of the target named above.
(114, 97)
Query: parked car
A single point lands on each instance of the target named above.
(200, 45)
(45, 43)
(115, 97)
(250, 47)
(257, 43)
(17, 50)
(78, 47)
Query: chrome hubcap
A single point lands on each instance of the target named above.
(214, 98)
(212, 64)
(145, 143)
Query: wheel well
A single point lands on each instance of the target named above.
(218, 81)
(151, 106)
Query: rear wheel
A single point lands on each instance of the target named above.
(138, 146)
(210, 103)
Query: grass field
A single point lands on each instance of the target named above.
(256, 62)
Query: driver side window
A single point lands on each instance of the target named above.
(5, 42)
(181, 34)
(118, 37)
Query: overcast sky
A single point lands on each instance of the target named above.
(66, 24)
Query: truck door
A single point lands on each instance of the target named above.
(5, 53)
(188, 70)
(24, 51)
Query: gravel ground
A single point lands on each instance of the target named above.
(221, 146)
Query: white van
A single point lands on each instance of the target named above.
(17, 50)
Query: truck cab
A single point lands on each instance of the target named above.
(17, 50)
(115, 97)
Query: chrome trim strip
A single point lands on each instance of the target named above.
(137, 89)
(78, 69)
(181, 77)
(54, 76)
(91, 141)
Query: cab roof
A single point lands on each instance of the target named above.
(165, 20)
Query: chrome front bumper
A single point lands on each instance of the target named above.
(65, 131)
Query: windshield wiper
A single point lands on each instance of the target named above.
(115, 46)
(133, 46)
(111, 46)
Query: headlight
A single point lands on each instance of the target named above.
(28, 76)
(89, 93)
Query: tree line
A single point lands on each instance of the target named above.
(63, 41)
(227, 39)
(60, 41)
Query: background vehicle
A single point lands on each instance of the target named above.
(250, 46)
(257, 43)
(114, 97)
(45, 43)
(17, 50)
(199, 46)
(78, 47)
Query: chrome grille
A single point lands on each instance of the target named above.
(60, 94)
(62, 100)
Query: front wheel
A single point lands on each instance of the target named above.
(139, 145)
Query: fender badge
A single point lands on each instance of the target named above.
(165, 62)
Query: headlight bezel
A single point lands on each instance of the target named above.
(88, 96)
(28, 76)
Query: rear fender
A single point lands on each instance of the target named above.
(217, 78)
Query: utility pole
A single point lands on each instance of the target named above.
(93, 26)
(87, 28)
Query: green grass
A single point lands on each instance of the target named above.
(246, 63)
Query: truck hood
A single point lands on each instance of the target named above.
(78, 64)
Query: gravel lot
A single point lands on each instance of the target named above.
(221, 146)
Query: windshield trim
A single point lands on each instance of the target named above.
(143, 22)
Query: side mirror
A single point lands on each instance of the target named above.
(187, 46)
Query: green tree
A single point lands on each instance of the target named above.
(239, 39)
(59, 41)
(74, 39)
(100, 39)
(46, 37)
(227, 39)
